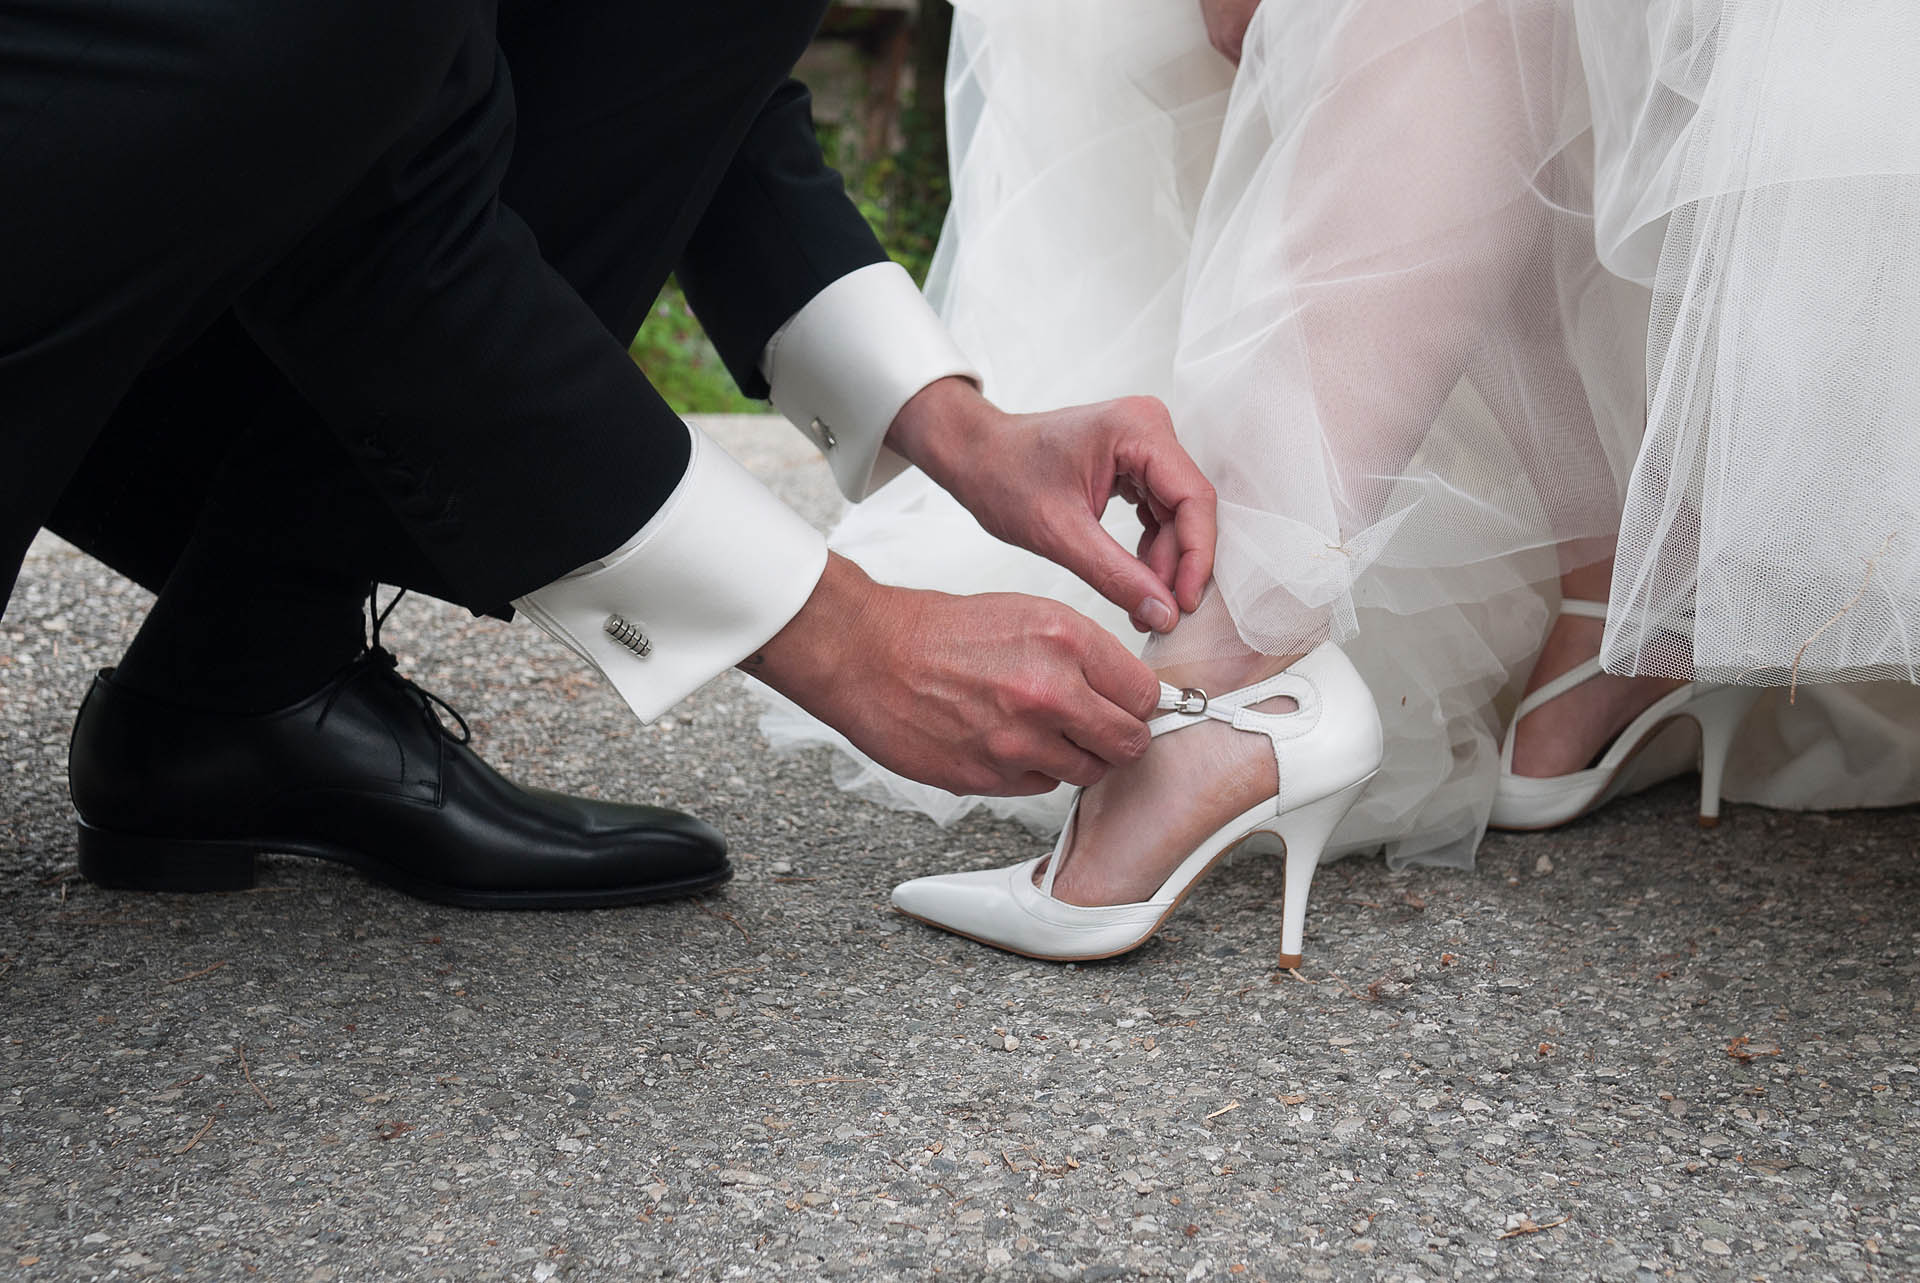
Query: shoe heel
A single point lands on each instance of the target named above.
(1305, 831)
(132, 863)
(1719, 716)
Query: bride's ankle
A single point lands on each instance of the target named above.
(1134, 827)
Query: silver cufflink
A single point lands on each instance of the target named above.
(825, 433)
(629, 636)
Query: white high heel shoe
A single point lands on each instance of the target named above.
(1325, 751)
(1655, 746)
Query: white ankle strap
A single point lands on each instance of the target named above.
(1584, 671)
(1306, 764)
(1190, 707)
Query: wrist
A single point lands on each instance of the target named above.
(942, 425)
(813, 644)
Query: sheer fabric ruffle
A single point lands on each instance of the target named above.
(1394, 280)
(1760, 172)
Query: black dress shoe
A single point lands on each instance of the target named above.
(173, 798)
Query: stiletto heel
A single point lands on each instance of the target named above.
(1719, 716)
(1325, 751)
(1305, 832)
(1647, 752)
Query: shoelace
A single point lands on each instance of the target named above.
(378, 660)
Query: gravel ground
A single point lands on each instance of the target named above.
(1629, 1050)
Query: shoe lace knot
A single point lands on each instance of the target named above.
(378, 661)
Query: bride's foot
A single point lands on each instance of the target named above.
(1136, 825)
(1567, 733)
(1141, 838)
(1589, 738)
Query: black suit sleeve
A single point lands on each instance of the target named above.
(780, 229)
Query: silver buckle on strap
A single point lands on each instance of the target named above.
(1187, 702)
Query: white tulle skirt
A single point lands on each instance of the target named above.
(1436, 289)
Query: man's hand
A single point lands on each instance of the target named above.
(1041, 481)
(999, 694)
(1227, 22)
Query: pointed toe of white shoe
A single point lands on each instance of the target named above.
(1523, 802)
(1002, 907)
(972, 904)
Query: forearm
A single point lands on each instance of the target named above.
(803, 304)
(719, 571)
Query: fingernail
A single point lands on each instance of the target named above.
(1154, 614)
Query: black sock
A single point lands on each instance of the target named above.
(242, 630)
(267, 599)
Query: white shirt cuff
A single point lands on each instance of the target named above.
(843, 365)
(720, 569)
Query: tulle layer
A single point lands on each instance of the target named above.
(1395, 280)
(1760, 171)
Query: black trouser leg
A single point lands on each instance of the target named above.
(245, 625)
(218, 489)
(265, 603)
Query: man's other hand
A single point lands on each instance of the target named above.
(1041, 481)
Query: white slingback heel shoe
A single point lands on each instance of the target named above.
(1655, 746)
(1325, 750)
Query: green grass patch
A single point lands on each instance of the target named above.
(681, 363)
